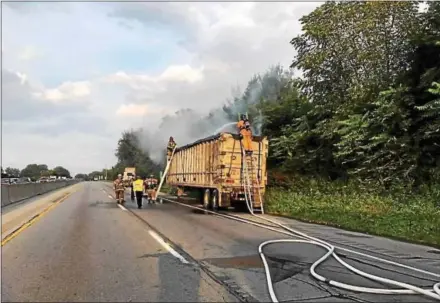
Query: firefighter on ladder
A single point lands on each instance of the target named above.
(119, 189)
(170, 147)
(244, 127)
(150, 186)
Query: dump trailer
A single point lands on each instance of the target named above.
(217, 168)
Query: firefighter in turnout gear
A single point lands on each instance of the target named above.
(150, 186)
(119, 189)
(138, 189)
(244, 127)
(170, 148)
(132, 179)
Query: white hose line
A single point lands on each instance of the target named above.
(409, 289)
(330, 250)
(436, 275)
(437, 288)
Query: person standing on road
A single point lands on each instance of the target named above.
(131, 187)
(138, 188)
(119, 189)
(151, 185)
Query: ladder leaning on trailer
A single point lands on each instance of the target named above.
(251, 193)
(167, 167)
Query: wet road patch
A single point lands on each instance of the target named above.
(253, 261)
(280, 269)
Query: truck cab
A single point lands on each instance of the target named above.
(128, 175)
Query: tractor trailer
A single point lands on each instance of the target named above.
(216, 167)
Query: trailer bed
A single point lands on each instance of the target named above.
(214, 165)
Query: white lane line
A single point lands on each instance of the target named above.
(122, 207)
(167, 247)
(161, 241)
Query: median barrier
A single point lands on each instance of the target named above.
(5, 194)
(12, 193)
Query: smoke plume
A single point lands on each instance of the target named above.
(188, 125)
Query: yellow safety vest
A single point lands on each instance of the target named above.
(138, 185)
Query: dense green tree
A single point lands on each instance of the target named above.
(81, 176)
(13, 172)
(34, 171)
(350, 51)
(61, 172)
(130, 154)
(94, 174)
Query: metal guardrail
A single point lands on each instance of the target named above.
(12, 193)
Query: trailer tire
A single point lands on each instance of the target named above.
(214, 200)
(207, 199)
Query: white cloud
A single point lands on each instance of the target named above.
(22, 77)
(175, 73)
(29, 53)
(139, 110)
(66, 91)
(183, 73)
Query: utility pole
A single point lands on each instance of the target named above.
(105, 172)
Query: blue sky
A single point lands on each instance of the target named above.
(77, 74)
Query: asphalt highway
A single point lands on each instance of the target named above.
(86, 248)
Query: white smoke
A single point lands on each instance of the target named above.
(188, 125)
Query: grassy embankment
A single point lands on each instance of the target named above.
(414, 217)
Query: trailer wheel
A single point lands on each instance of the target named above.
(214, 200)
(207, 199)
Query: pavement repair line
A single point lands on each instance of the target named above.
(167, 247)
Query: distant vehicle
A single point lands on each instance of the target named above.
(24, 180)
(43, 180)
(129, 173)
(95, 179)
(14, 180)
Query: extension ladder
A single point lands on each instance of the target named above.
(167, 167)
(251, 185)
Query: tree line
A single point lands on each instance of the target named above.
(35, 172)
(366, 107)
(129, 153)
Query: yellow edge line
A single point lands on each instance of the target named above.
(16, 232)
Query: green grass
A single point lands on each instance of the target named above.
(414, 217)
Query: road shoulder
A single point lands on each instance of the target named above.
(15, 216)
